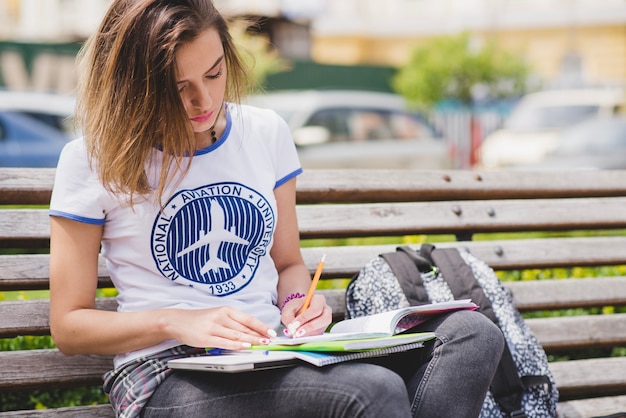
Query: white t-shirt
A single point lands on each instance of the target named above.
(211, 244)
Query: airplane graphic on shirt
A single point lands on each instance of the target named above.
(213, 238)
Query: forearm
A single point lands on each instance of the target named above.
(93, 331)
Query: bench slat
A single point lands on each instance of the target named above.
(32, 269)
(568, 293)
(561, 333)
(343, 262)
(25, 186)
(588, 377)
(30, 317)
(24, 224)
(91, 411)
(528, 295)
(29, 369)
(460, 217)
(32, 186)
(404, 218)
(573, 378)
(584, 408)
(316, 186)
(32, 272)
(583, 331)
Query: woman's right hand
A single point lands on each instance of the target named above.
(222, 327)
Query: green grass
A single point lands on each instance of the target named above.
(54, 398)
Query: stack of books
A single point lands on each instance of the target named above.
(352, 339)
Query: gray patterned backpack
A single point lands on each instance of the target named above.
(523, 385)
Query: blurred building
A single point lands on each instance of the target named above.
(49, 20)
(566, 41)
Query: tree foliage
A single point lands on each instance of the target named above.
(257, 53)
(449, 67)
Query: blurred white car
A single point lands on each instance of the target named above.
(357, 129)
(54, 110)
(595, 144)
(532, 129)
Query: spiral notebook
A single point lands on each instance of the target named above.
(347, 342)
(249, 360)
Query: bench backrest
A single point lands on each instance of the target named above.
(452, 208)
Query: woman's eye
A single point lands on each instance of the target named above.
(214, 76)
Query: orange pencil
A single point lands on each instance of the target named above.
(316, 278)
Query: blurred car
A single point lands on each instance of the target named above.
(598, 143)
(53, 109)
(357, 129)
(28, 142)
(532, 129)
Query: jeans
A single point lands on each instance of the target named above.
(449, 377)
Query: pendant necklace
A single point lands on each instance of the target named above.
(212, 128)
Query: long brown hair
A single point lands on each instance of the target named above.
(128, 102)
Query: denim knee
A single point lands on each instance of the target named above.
(466, 326)
(381, 392)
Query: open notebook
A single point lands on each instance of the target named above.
(259, 359)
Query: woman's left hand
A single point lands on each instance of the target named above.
(312, 321)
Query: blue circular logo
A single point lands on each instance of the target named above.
(213, 237)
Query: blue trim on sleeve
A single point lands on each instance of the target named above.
(288, 177)
(73, 217)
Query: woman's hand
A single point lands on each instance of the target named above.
(312, 321)
(222, 327)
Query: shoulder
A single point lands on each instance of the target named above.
(76, 146)
(74, 156)
(261, 123)
(258, 115)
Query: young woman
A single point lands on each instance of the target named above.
(190, 198)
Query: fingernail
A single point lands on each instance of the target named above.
(246, 345)
(271, 333)
(293, 326)
(300, 332)
(264, 341)
(286, 332)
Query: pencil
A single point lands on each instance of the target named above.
(316, 278)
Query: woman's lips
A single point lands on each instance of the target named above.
(203, 117)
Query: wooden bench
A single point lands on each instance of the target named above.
(448, 208)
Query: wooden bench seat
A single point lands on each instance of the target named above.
(488, 214)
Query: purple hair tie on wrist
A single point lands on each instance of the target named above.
(296, 295)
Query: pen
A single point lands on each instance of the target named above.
(316, 278)
(223, 351)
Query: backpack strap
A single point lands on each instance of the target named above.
(424, 265)
(459, 276)
(507, 387)
(408, 275)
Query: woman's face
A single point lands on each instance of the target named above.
(201, 81)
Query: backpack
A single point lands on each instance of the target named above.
(523, 385)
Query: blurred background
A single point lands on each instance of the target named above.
(471, 84)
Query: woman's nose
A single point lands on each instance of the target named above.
(202, 97)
